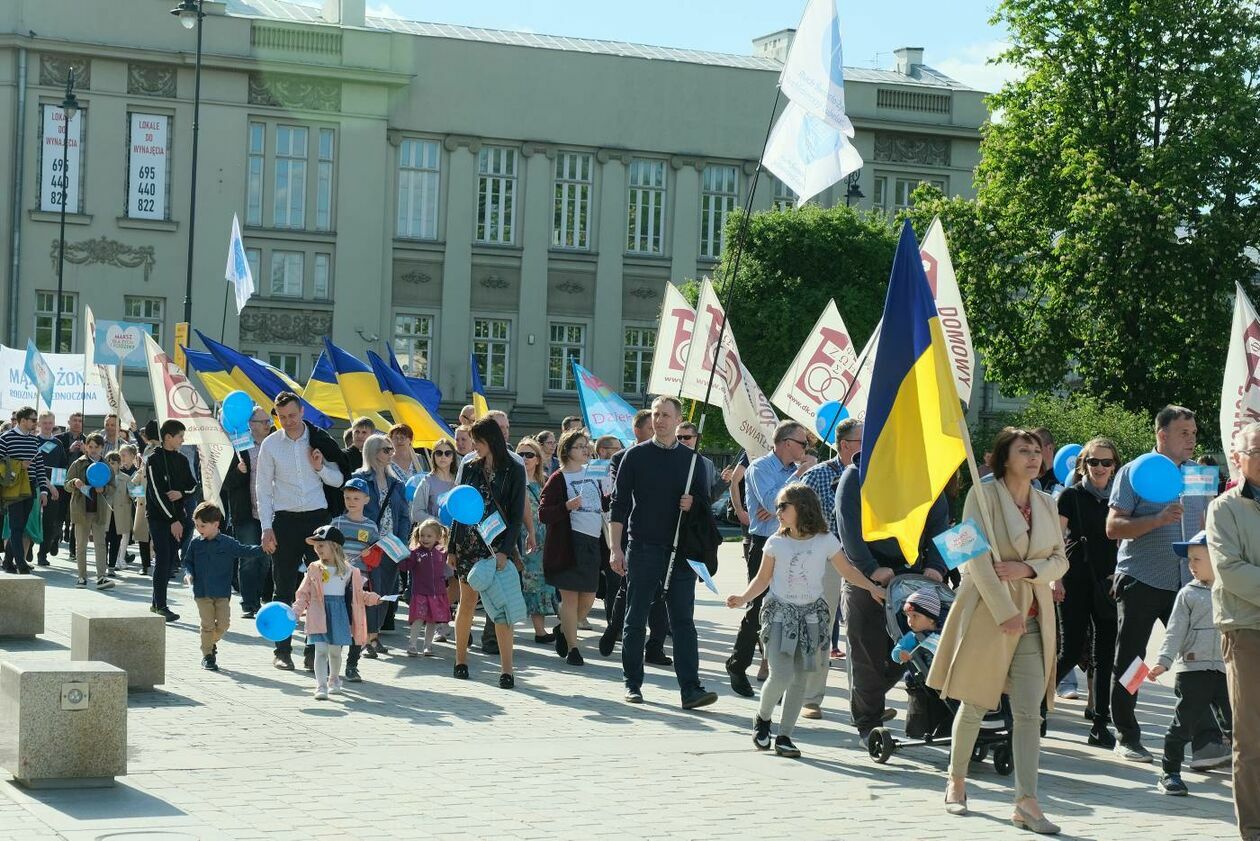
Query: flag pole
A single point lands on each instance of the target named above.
(223, 326)
(985, 520)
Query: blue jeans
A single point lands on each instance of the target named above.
(255, 574)
(647, 564)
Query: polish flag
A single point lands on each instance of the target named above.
(1134, 675)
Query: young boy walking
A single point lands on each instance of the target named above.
(210, 559)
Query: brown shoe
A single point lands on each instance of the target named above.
(813, 711)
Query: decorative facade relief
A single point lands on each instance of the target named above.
(304, 93)
(285, 326)
(151, 80)
(108, 252)
(899, 148)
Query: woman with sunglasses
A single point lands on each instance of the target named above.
(1084, 593)
(540, 597)
(387, 507)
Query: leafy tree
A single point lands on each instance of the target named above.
(1075, 420)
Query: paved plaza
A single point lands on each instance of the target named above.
(411, 752)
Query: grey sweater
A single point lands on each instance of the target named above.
(1191, 639)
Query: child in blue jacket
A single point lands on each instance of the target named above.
(210, 560)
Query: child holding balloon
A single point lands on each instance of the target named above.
(87, 481)
(427, 567)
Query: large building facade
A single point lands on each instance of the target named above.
(449, 190)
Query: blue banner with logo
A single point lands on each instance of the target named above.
(121, 343)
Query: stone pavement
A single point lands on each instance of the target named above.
(247, 753)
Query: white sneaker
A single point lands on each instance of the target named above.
(334, 686)
(428, 651)
(321, 694)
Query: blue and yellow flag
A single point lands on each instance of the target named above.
(359, 388)
(213, 376)
(259, 381)
(426, 391)
(480, 406)
(323, 392)
(912, 438)
(427, 428)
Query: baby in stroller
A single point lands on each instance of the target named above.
(922, 613)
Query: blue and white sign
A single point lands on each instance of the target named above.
(491, 527)
(392, 546)
(121, 343)
(1200, 479)
(961, 543)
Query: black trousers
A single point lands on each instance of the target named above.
(870, 657)
(615, 611)
(166, 558)
(750, 626)
(1193, 720)
(1087, 605)
(54, 518)
(292, 528)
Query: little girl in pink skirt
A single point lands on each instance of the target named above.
(429, 606)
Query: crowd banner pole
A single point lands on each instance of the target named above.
(223, 327)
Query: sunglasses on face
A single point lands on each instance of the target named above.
(686, 437)
(527, 455)
(387, 449)
(1100, 462)
(446, 453)
(779, 506)
(799, 441)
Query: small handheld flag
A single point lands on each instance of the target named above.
(1134, 675)
(38, 372)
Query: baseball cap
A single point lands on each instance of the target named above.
(356, 484)
(329, 533)
(1183, 548)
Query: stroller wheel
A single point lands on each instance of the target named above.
(979, 753)
(880, 744)
(1003, 760)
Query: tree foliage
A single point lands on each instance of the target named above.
(1075, 420)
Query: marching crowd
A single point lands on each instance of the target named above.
(1080, 574)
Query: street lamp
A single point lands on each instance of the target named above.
(69, 107)
(854, 191)
(190, 15)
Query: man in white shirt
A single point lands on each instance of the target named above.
(295, 464)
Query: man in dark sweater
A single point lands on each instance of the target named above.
(55, 458)
(168, 480)
(650, 493)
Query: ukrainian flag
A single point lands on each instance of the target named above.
(259, 381)
(480, 406)
(359, 389)
(426, 391)
(912, 438)
(213, 376)
(323, 393)
(427, 428)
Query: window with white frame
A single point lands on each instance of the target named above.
(419, 179)
(321, 281)
(289, 194)
(324, 181)
(573, 201)
(289, 363)
(413, 343)
(784, 197)
(639, 345)
(903, 187)
(567, 345)
(879, 196)
(253, 256)
(254, 174)
(46, 317)
(496, 195)
(286, 273)
(719, 193)
(492, 342)
(145, 310)
(646, 207)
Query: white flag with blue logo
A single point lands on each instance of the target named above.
(808, 154)
(39, 373)
(238, 271)
(813, 75)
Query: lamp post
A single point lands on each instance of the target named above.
(190, 15)
(854, 191)
(69, 107)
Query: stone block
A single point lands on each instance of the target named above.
(62, 724)
(21, 605)
(133, 639)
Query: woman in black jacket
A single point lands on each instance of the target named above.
(1084, 594)
(501, 482)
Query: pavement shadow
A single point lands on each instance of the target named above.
(38, 645)
(118, 802)
(157, 698)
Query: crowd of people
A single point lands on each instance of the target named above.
(1080, 572)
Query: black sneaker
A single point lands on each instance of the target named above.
(634, 696)
(544, 639)
(562, 644)
(1172, 784)
(574, 658)
(283, 662)
(507, 681)
(658, 658)
(209, 663)
(700, 699)
(783, 747)
(105, 584)
(308, 658)
(42, 561)
(461, 671)
(249, 614)
(352, 675)
(739, 682)
(369, 651)
(8, 567)
(1100, 736)
(169, 615)
(490, 647)
(607, 641)
(761, 734)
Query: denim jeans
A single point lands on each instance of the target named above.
(255, 573)
(647, 564)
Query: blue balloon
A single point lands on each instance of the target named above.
(1065, 462)
(237, 409)
(465, 504)
(1155, 478)
(444, 516)
(98, 474)
(828, 417)
(413, 484)
(275, 621)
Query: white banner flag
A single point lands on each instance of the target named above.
(750, 419)
(823, 370)
(673, 343)
(146, 166)
(52, 179)
(808, 154)
(813, 75)
(91, 375)
(1240, 392)
(238, 272)
(114, 394)
(949, 304)
(69, 391)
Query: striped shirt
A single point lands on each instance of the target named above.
(17, 444)
(360, 534)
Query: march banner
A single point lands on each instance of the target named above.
(603, 410)
(69, 391)
(824, 369)
(939, 269)
(1240, 391)
(673, 344)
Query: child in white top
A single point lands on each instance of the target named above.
(795, 626)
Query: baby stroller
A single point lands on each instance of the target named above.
(931, 717)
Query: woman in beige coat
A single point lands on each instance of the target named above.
(1000, 634)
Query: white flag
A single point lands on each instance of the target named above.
(949, 304)
(825, 369)
(808, 154)
(673, 342)
(1240, 392)
(238, 271)
(750, 419)
(813, 75)
(90, 374)
(703, 350)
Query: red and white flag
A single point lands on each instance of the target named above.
(1134, 675)
(1240, 392)
(824, 370)
(673, 344)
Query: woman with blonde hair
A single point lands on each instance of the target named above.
(540, 597)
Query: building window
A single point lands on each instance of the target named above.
(640, 345)
(492, 342)
(150, 311)
(573, 201)
(419, 178)
(905, 186)
(567, 345)
(322, 288)
(254, 174)
(496, 195)
(324, 181)
(413, 343)
(719, 192)
(784, 197)
(646, 202)
(45, 321)
(880, 191)
(253, 256)
(286, 274)
(289, 198)
(289, 363)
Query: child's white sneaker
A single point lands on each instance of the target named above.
(321, 694)
(334, 686)
(428, 651)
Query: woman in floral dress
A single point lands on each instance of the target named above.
(540, 597)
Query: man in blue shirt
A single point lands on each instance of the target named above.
(763, 480)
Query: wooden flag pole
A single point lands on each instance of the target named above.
(986, 522)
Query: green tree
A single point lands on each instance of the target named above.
(1075, 420)
(1116, 196)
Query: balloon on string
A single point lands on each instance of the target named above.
(98, 474)
(1065, 462)
(828, 418)
(1155, 478)
(444, 516)
(275, 621)
(237, 409)
(413, 485)
(465, 504)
